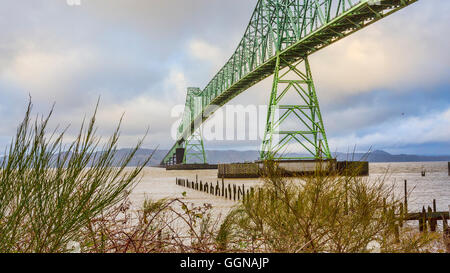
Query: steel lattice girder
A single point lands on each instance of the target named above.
(291, 29)
(194, 149)
(306, 114)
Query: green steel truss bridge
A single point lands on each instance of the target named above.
(278, 40)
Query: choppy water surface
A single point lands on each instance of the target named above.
(158, 183)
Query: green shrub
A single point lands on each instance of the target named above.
(320, 213)
(49, 190)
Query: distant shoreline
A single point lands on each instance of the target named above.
(233, 156)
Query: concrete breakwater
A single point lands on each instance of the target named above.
(180, 167)
(293, 168)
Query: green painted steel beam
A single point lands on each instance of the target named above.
(290, 29)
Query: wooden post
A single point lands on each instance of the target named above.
(223, 187)
(229, 191)
(434, 205)
(423, 220)
(446, 232)
(397, 233)
(243, 192)
(402, 216)
(406, 197)
(196, 178)
(159, 239)
(432, 222)
(226, 191)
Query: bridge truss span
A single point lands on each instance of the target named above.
(287, 30)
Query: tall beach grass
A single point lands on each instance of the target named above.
(50, 190)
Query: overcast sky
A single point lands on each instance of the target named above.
(385, 87)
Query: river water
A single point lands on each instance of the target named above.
(158, 183)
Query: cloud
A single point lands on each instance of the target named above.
(140, 56)
(414, 130)
(175, 86)
(47, 75)
(402, 51)
(204, 51)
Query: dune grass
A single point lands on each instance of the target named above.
(50, 190)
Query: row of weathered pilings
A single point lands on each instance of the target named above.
(231, 192)
(427, 219)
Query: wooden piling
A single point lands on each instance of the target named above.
(397, 233)
(159, 244)
(402, 216)
(431, 221)
(423, 220)
(446, 231)
(406, 197)
(223, 187)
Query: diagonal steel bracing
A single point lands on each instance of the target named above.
(194, 149)
(286, 29)
(309, 132)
